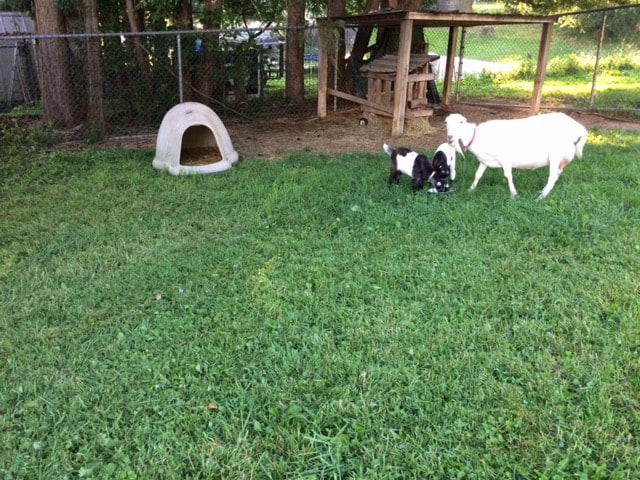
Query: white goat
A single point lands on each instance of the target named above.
(551, 139)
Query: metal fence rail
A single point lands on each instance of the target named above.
(145, 74)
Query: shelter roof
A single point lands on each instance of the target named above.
(383, 18)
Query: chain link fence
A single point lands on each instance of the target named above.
(241, 73)
(593, 66)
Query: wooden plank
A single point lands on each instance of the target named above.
(358, 100)
(421, 77)
(419, 102)
(477, 19)
(387, 92)
(541, 68)
(421, 88)
(424, 112)
(419, 113)
(382, 76)
(410, 87)
(414, 77)
(378, 106)
(440, 19)
(375, 109)
(323, 74)
(388, 63)
(402, 72)
(374, 90)
(451, 57)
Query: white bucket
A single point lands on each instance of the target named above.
(462, 6)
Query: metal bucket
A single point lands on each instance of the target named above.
(462, 6)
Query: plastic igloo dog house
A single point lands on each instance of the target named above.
(193, 127)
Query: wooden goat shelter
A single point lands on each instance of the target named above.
(398, 93)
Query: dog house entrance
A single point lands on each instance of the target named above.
(199, 147)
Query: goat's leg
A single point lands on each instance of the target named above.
(394, 176)
(417, 183)
(453, 169)
(554, 173)
(509, 176)
(481, 169)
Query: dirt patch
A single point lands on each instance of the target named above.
(344, 132)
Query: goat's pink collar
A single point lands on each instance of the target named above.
(473, 137)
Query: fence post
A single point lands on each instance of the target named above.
(180, 89)
(324, 34)
(596, 68)
(451, 58)
(541, 67)
(335, 74)
(460, 62)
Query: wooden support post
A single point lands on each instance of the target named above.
(323, 73)
(402, 73)
(596, 69)
(460, 63)
(541, 68)
(448, 72)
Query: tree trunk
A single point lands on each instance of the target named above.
(359, 50)
(59, 104)
(240, 74)
(136, 27)
(184, 21)
(363, 35)
(410, 5)
(336, 8)
(294, 82)
(95, 110)
(211, 81)
(184, 15)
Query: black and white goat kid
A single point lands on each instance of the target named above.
(417, 166)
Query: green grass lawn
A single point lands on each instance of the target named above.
(301, 319)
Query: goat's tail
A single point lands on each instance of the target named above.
(580, 143)
(388, 150)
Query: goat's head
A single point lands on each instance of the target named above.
(456, 125)
(449, 151)
(440, 185)
(441, 166)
